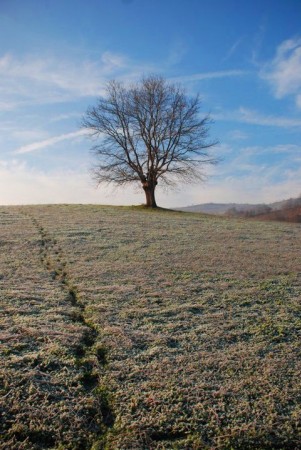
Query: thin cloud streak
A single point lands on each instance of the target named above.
(257, 44)
(249, 116)
(209, 75)
(233, 48)
(29, 148)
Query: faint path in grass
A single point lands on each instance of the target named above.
(54, 260)
(52, 373)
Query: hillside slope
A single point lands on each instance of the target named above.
(284, 215)
(136, 329)
(250, 210)
(216, 208)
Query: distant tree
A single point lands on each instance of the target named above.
(149, 131)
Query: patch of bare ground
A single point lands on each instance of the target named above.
(197, 323)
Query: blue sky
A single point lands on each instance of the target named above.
(244, 58)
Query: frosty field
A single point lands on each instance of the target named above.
(127, 328)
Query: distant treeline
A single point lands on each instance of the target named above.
(251, 212)
(285, 210)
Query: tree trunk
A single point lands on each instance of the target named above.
(149, 190)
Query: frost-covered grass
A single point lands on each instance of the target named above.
(195, 325)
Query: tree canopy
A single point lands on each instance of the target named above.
(148, 132)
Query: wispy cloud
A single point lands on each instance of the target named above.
(257, 44)
(32, 80)
(42, 80)
(256, 157)
(177, 52)
(233, 48)
(283, 73)
(237, 135)
(246, 115)
(210, 75)
(29, 148)
(8, 105)
(112, 61)
(60, 117)
(253, 117)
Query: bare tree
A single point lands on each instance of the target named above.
(148, 131)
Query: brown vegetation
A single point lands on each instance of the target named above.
(284, 211)
(283, 215)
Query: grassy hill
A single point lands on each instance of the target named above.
(123, 328)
